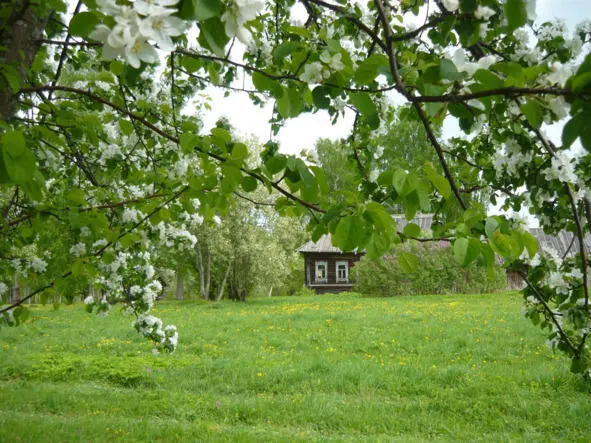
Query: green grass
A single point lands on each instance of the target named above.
(292, 369)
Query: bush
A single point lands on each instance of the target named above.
(304, 291)
(437, 273)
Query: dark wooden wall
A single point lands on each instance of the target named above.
(331, 260)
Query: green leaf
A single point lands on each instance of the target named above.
(412, 230)
(364, 104)
(285, 49)
(76, 195)
(264, 83)
(408, 262)
(290, 104)
(440, 182)
(381, 218)
(488, 79)
(213, 36)
(378, 245)
(320, 178)
(126, 127)
(19, 161)
(12, 76)
(531, 244)
(231, 178)
(321, 97)
(449, 71)
(490, 226)
(572, 129)
(188, 142)
(368, 69)
(581, 82)
(116, 67)
(516, 13)
(249, 183)
(488, 255)
(534, 113)
(206, 9)
(501, 243)
(83, 24)
(239, 151)
(276, 164)
(466, 250)
(349, 233)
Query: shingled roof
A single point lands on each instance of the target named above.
(562, 242)
(324, 244)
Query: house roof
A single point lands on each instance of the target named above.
(423, 220)
(564, 243)
(324, 244)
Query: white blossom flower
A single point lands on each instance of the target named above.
(483, 30)
(135, 27)
(237, 14)
(584, 27)
(552, 30)
(131, 215)
(108, 6)
(89, 300)
(451, 5)
(476, 104)
(562, 168)
(333, 61)
(38, 265)
(140, 51)
(373, 175)
(312, 73)
(560, 73)
(217, 220)
(100, 243)
(3, 288)
(339, 104)
(576, 274)
(533, 300)
(575, 45)
(484, 12)
(78, 249)
(153, 7)
(559, 107)
(149, 271)
(556, 281)
(159, 28)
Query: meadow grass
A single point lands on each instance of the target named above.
(337, 367)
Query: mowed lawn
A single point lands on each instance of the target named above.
(292, 369)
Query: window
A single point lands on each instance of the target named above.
(343, 271)
(321, 271)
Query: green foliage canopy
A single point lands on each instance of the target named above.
(97, 135)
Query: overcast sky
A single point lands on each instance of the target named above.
(302, 132)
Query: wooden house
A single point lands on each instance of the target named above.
(562, 244)
(327, 268)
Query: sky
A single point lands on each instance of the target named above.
(303, 131)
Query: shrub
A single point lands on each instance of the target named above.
(437, 273)
(304, 291)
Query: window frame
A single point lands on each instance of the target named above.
(337, 264)
(316, 265)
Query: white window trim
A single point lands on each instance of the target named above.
(346, 263)
(325, 279)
